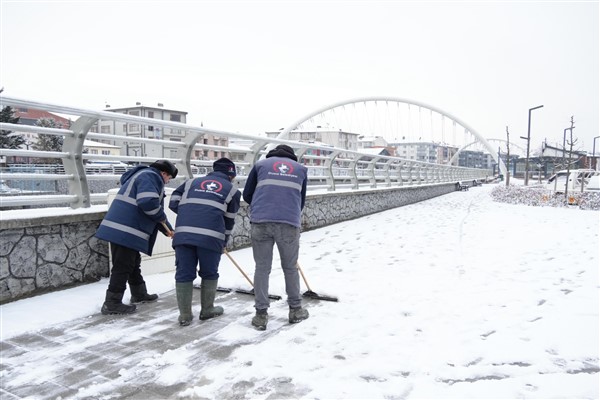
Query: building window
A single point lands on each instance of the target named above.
(106, 152)
(94, 151)
(137, 113)
(105, 129)
(134, 128)
(150, 114)
(175, 118)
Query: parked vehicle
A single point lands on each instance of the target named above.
(4, 189)
(579, 180)
(105, 167)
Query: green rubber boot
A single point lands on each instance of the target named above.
(208, 290)
(184, 293)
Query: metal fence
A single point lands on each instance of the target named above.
(329, 167)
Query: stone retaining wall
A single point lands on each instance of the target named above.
(42, 254)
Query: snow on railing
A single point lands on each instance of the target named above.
(329, 167)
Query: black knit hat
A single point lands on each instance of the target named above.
(165, 166)
(225, 165)
(282, 150)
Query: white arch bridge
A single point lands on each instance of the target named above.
(397, 120)
(330, 167)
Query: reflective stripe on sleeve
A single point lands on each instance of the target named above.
(126, 229)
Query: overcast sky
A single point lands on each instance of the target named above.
(255, 66)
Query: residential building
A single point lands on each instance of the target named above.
(472, 159)
(376, 142)
(93, 147)
(28, 116)
(144, 131)
(157, 132)
(419, 151)
(330, 136)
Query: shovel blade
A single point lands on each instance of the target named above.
(312, 295)
(251, 293)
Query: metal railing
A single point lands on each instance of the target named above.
(329, 167)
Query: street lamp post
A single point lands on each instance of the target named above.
(594, 154)
(528, 138)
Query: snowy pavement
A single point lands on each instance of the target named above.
(454, 297)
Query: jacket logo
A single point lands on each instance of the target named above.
(211, 186)
(283, 167)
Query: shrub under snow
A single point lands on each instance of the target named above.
(542, 197)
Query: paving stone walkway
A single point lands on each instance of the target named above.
(68, 360)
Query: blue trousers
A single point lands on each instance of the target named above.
(192, 260)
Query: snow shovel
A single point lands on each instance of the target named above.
(309, 293)
(251, 292)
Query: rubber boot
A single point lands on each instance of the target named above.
(139, 294)
(184, 291)
(113, 304)
(208, 290)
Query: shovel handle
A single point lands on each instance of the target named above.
(303, 277)
(169, 232)
(238, 267)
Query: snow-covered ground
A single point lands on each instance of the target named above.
(455, 297)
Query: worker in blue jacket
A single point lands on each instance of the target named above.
(276, 191)
(131, 224)
(206, 208)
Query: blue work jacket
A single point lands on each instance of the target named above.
(276, 191)
(206, 208)
(136, 213)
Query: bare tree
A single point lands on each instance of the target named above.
(571, 142)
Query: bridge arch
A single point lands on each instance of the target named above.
(512, 145)
(285, 133)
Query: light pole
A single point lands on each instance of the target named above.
(594, 154)
(528, 138)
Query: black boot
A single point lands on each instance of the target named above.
(113, 304)
(139, 294)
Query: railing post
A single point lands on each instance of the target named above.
(386, 171)
(354, 176)
(329, 165)
(74, 163)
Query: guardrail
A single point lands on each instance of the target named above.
(329, 167)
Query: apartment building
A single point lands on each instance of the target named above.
(330, 136)
(144, 131)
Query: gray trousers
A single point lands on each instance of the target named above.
(287, 238)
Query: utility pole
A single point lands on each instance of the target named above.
(564, 142)
(507, 158)
(528, 138)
